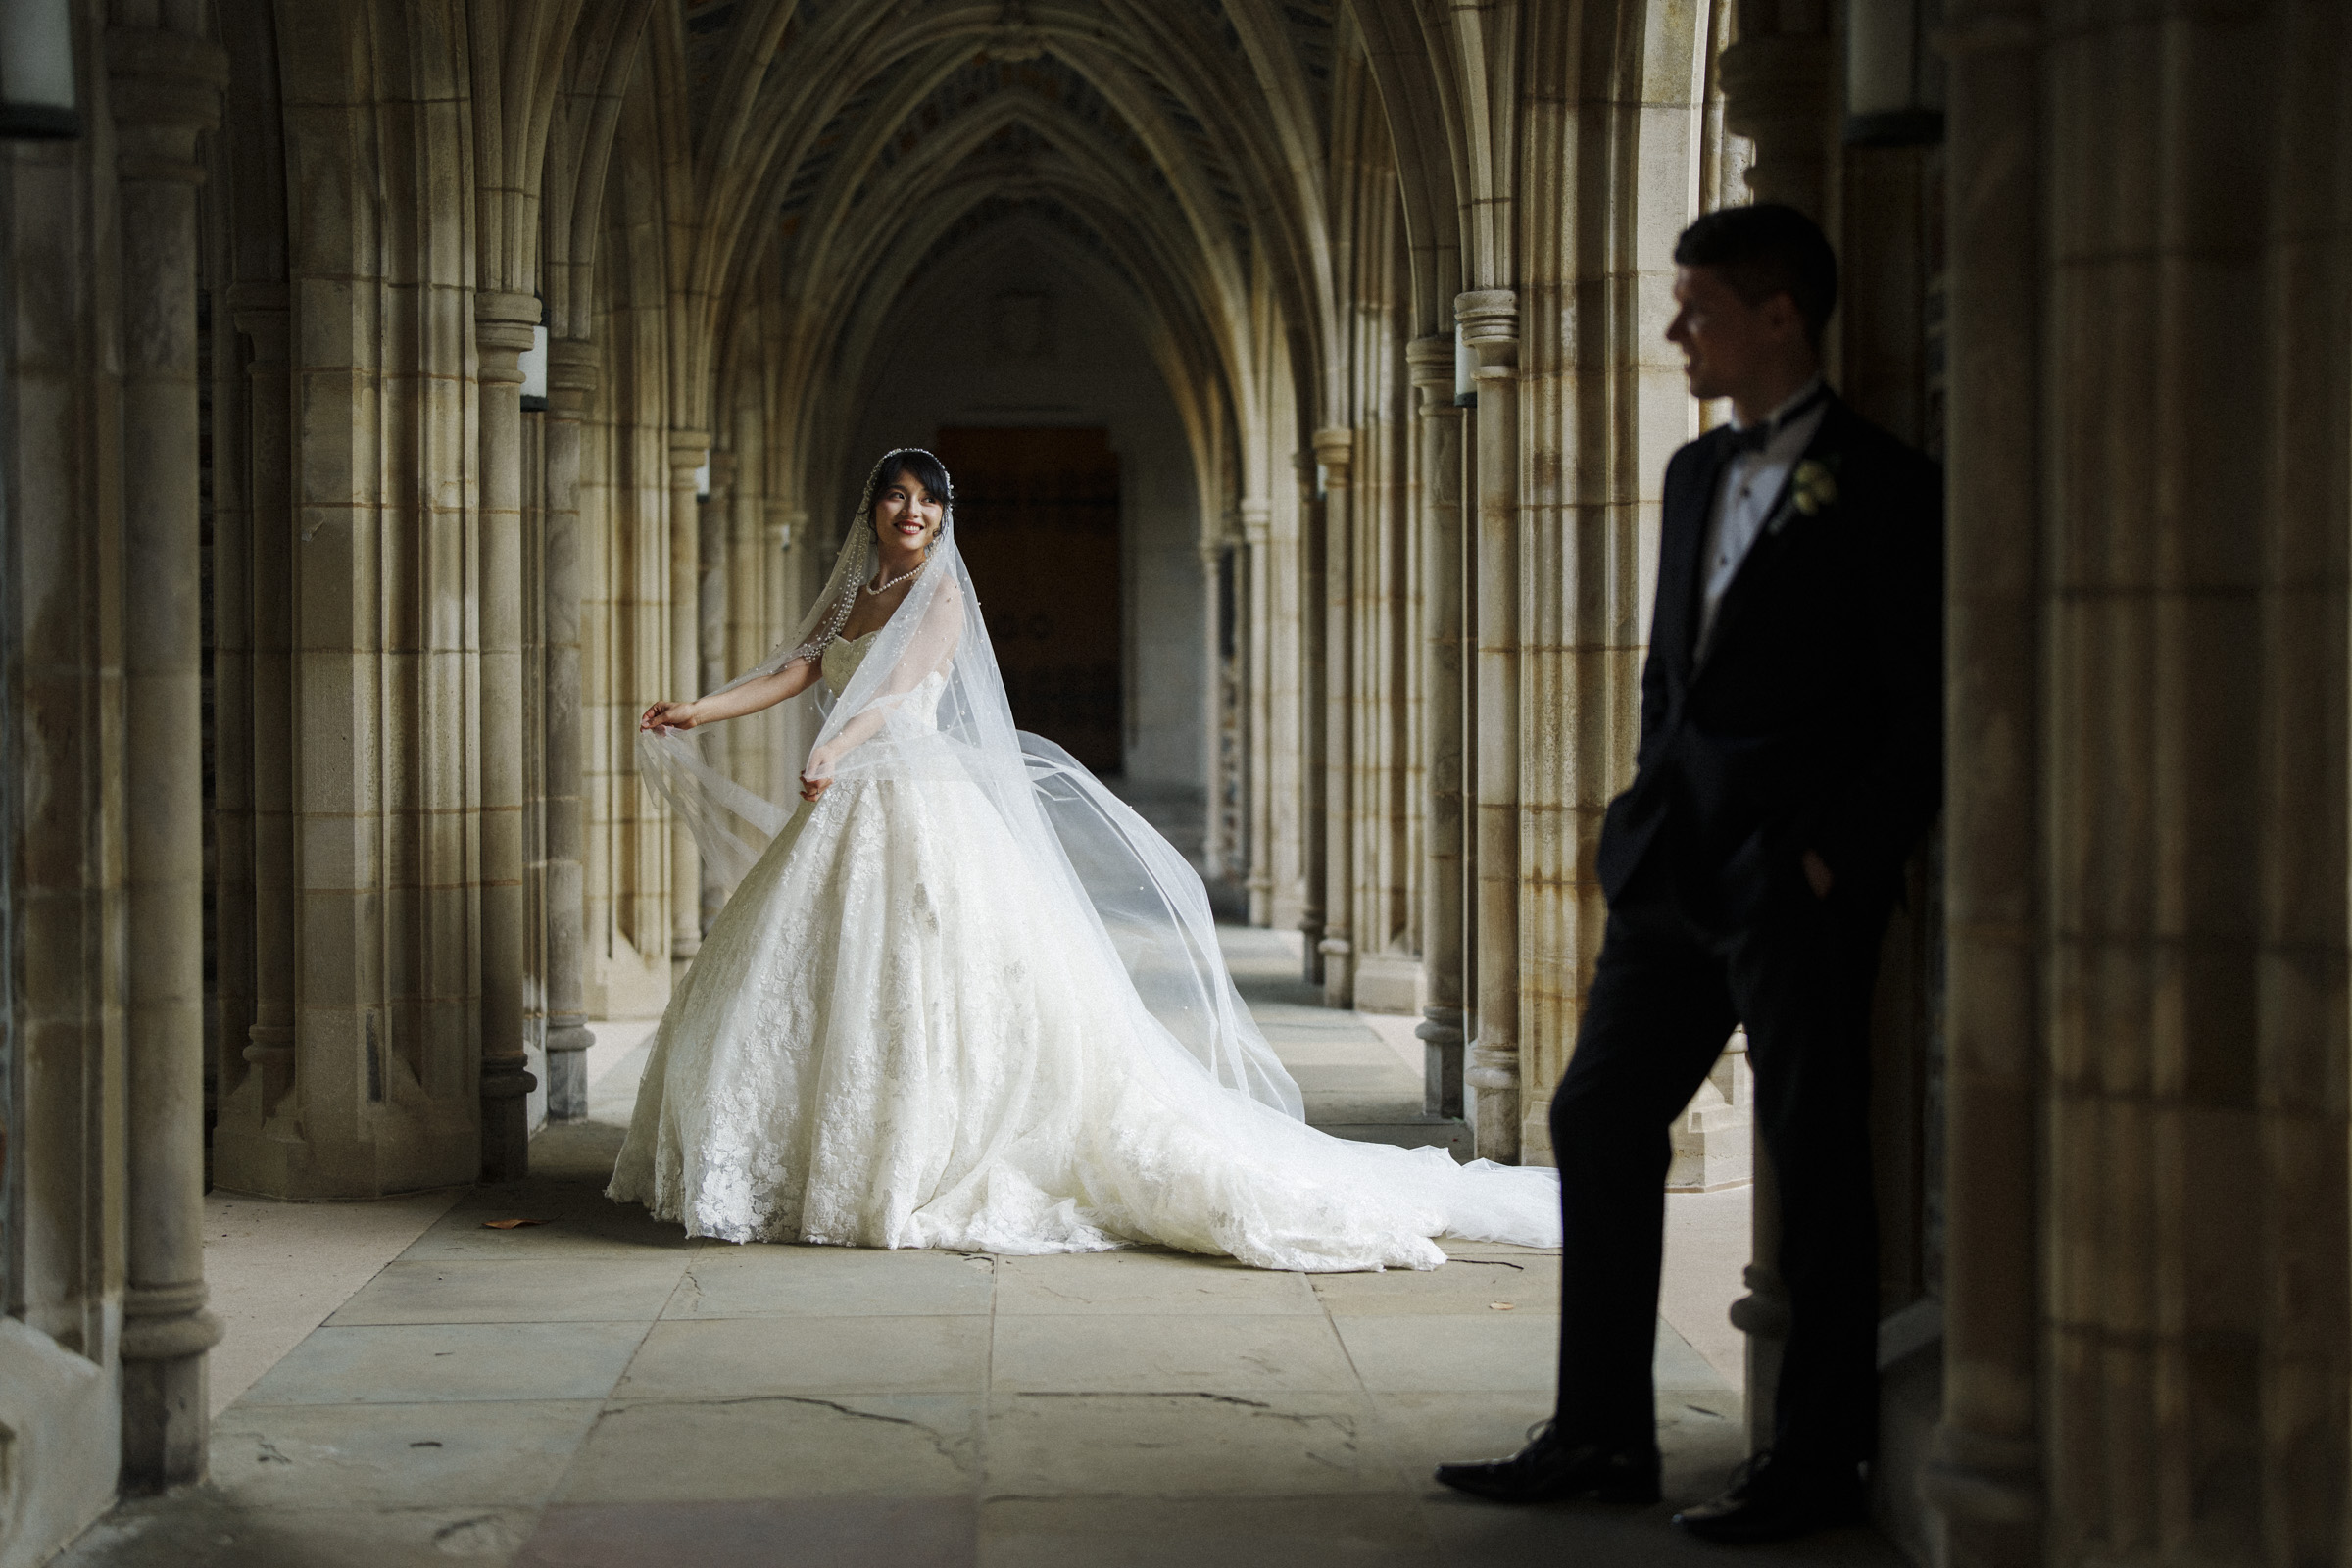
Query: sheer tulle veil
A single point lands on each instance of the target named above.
(926, 709)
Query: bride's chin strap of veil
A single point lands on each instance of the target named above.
(925, 705)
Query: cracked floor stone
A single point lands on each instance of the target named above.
(594, 1391)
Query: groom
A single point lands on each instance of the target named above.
(1791, 758)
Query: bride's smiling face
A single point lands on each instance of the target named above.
(906, 517)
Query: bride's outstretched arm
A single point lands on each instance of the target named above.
(733, 702)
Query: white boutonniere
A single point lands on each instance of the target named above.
(1812, 489)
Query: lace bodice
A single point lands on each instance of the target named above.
(843, 656)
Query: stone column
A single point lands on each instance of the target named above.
(687, 449)
(570, 384)
(165, 89)
(1490, 319)
(1440, 526)
(1986, 1474)
(711, 595)
(1780, 92)
(268, 1050)
(503, 324)
(1313, 692)
(1335, 451)
(1213, 847)
(1252, 604)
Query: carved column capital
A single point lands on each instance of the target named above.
(260, 311)
(502, 327)
(572, 376)
(165, 90)
(1334, 449)
(1778, 92)
(688, 448)
(1431, 360)
(1490, 321)
(1258, 521)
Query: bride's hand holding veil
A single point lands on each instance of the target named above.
(733, 702)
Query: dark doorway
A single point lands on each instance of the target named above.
(1037, 517)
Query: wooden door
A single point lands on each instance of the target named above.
(1037, 518)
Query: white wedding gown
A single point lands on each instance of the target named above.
(894, 1036)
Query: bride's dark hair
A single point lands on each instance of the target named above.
(920, 467)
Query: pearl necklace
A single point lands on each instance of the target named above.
(888, 583)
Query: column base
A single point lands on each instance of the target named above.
(506, 1120)
(1311, 969)
(1493, 1080)
(1441, 1035)
(167, 1412)
(1339, 971)
(567, 1043)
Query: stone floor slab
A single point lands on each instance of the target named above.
(749, 1356)
(196, 1528)
(1168, 1355)
(780, 1445)
(1146, 1281)
(1466, 1286)
(437, 1455)
(777, 1281)
(1182, 1446)
(521, 1290)
(1294, 1532)
(1470, 1534)
(570, 1225)
(819, 1532)
(470, 1362)
(1433, 1353)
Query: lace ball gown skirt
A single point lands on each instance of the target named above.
(899, 1034)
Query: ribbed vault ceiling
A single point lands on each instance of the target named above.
(859, 146)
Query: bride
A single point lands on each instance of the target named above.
(965, 998)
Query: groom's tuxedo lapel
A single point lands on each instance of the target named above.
(1781, 520)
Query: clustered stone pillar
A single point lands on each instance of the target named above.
(1986, 1474)
(1439, 525)
(687, 449)
(1335, 451)
(268, 1050)
(1254, 605)
(1490, 321)
(570, 384)
(164, 88)
(502, 331)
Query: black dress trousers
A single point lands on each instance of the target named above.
(1666, 993)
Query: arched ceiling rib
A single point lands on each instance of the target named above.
(1184, 137)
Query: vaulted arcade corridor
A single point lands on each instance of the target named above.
(396, 397)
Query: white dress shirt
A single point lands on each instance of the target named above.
(1743, 496)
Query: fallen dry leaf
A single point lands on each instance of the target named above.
(508, 1224)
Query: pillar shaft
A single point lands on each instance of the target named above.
(1257, 613)
(570, 380)
(1489, 320)
(503, 325)
(687, 449)
(1439, 529)
(165, 91)
(1986, 1476)
(1335, 451)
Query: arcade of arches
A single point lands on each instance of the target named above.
(1308, 359)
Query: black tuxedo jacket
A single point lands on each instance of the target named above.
(1816, 719)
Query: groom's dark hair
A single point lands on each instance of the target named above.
(1764, 250)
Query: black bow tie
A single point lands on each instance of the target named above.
(1757, 436)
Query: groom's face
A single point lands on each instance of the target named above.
(1727, 344)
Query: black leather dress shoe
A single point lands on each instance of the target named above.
(1548, 1470)
(1769, 1502)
